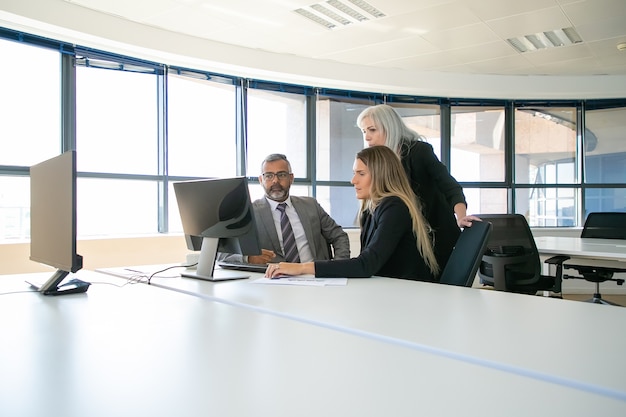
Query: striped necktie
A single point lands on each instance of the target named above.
(289, 240)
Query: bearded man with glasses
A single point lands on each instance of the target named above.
(317, 235)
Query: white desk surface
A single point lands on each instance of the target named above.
(545, 337)
(606, 249)
(142, 351)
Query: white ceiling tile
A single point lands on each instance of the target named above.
(606, 29)
(588, 12)
(392, 50)
(460, 37)
(564, 53)
(527, 23)
(498, 9)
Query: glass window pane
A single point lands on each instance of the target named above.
(545, 145)
(548, 207)
(340, 203)
(256, 191)
(477, 144)
(277, 124)
(425, 120)
(14, 208)
(605, 199)
(486, 200)
(116, 207)
(605, 146)
(201, 128)
(338, 138)
(30, 104)
(116, 121)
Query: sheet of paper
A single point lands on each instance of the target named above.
(302, 280)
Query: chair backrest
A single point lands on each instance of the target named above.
(605, 225)
(466, 256)
(511, 257)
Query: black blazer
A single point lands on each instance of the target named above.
(438, 192)
(388, 247)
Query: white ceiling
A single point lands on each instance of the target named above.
(463, 36)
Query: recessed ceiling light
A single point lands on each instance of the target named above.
(341, 13)
(621, 46)
(543, 40)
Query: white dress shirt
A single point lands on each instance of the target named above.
(302, 243)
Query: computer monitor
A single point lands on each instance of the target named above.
(53, 223)
(218, 213)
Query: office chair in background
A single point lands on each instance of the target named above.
(466, 256)
(511, 262)
(600, 225)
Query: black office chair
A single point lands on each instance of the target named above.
(600, 225)
(466, 256)
(511, 262)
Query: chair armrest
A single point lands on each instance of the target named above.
(558, 278)
(557, 260)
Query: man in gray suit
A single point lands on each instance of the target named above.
(317, 235)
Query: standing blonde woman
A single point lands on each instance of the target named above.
(395, 237)
(441, 196)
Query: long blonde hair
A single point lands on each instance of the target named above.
(389, 179)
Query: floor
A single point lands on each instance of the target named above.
(614, 298)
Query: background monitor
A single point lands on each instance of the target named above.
(218, 213)
(53, 222)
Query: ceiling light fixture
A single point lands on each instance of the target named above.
(347, 10)
(368, 8)
(315, 18)
(329, 13)
(621, 46)
(543, 40)
(343, 12)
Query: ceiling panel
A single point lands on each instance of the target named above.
(444, 35)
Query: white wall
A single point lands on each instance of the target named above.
(62, 20)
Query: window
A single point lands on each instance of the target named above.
(116, 121)
(545, 154)
(424, 119)
(605, 160)
(477, 144)
(30, 110)
(30, 127)
(140, 127)
(277, 123)
(201, 127)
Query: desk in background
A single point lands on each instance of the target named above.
(603, 249)
(585, 251)
(138, 350)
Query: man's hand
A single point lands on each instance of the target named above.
(265, 257)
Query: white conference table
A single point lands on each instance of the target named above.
(541, 337)
(138, 350)
(603, 249)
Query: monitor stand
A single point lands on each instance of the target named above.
(206, 265)
(52, 287)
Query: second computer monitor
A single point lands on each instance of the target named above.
(218, 212)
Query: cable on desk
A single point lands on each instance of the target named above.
(17, 292)
(168, 268)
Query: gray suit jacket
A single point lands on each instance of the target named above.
(322, 232)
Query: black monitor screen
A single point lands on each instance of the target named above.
(218, 213)
(53, 220)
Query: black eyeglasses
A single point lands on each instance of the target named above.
(269, 176)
